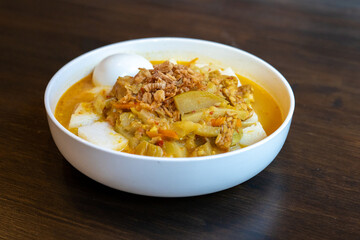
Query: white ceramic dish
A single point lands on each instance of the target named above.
(171, 177)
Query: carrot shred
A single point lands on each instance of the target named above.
(152, 134)
(163, 133)
(192, 61)
(216, 122)
(124, 105)
(168, 133)
(238, 123)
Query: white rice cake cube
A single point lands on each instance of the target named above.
(228, 72)
(251, 121)
(252, 134)
(102, 134)
(83, 115)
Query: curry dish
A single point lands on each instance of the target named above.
(179, 109)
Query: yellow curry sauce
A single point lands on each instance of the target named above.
(173, 110)
(265, 106)
(76, 94)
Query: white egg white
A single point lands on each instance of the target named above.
(118, 65)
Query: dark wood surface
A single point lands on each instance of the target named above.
(310, 191)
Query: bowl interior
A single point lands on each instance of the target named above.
(240, 61)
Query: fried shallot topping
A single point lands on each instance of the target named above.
(154, 89)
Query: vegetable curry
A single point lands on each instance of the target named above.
(175, 110)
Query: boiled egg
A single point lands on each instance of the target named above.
(118, 65)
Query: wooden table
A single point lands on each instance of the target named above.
(310, 191)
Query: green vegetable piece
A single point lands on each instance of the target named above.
(203, 150)
(194, 117)
(182, 128)
(236, 137)
(196, 100)
(148, 149)
(207, 131)
(144, 115)
(214, 112)
(126, 119)
(175, 149)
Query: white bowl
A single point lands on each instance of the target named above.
(171, 177)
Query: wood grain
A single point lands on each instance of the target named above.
(310, 191)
